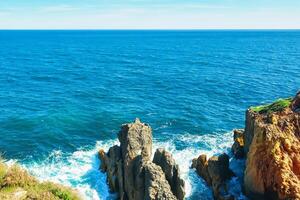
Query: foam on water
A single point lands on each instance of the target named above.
(80, 169)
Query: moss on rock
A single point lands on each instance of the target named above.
(278, 105)
(16, 183)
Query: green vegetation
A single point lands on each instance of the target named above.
(278, 105)
(16, 183)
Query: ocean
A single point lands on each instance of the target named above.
(65, 94)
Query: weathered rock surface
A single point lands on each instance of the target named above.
(156, 185)
(238, 145)
(110, 164)
(132, 174)
(249, 129)
(165, 160)
(273, 159)
(295, 106)
(215, 172)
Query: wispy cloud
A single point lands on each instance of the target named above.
(144, 14)
(58, 8)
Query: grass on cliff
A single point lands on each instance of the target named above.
(278, 105)
(16, 183)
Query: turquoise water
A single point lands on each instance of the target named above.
(64, 94)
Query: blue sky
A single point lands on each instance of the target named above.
(149, 14)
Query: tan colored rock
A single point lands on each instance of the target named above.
(102, 156)
(201, 166)
(249, 129)
(238, 145)
(215, 172)
(273, 167)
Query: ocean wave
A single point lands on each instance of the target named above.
(80, 169)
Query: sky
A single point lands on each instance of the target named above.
(149, 14)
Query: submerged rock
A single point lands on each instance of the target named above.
(132, 174)
(272, 144)
(215, 171)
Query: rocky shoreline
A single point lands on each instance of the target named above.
(269, 143)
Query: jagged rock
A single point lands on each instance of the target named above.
(238, 145)
(201, 166)
(171, 170)
(273, 160)
(130, 172)
(249, 129)
(110, 164)
(103, 157)
(215, 172)
(157, 187)
(136, 143)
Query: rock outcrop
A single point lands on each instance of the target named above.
(215, 171)
(238, 145)
(132, 174)
(295, 106)
(171, 170)
(272, 145)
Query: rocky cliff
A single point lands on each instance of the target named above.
(272, 145)
(132, 174)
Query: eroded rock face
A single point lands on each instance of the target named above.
(132, 174)
(156, 185)
(110, 163)
(273, 159)
(171, 170)
(238, 145)
(215, 171)
(136, 146)
(295, 105)
(249, 129)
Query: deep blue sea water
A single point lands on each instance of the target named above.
(64, 94)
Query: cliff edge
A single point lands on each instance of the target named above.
(272, 146)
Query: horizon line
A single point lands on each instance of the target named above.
(158, 29)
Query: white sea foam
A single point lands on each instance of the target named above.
(80, 170)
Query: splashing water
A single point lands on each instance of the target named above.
(80, 169)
